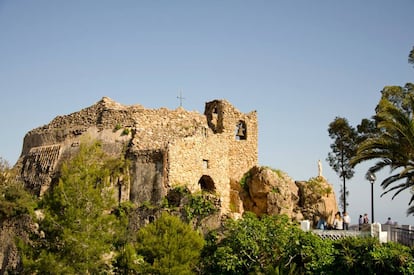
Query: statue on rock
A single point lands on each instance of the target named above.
(320, 169)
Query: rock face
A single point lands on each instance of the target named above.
(317, 200)
(271, 192)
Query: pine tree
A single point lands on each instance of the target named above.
(168, 246)
(78, 226)
(343, 149)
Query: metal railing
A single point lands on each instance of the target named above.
(403, 234)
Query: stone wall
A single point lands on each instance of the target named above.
(167, 148)
(146, 173)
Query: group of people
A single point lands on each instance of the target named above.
(341, 222)
(363, 220)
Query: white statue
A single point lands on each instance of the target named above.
(319, 168)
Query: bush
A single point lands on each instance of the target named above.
(263, 246)
(368, 256)
(168, 246)
(199, 206)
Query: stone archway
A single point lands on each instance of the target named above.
(207, 184)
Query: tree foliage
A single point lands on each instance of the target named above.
(411, 56)
(167, 246)
(14, 199)
(392, 144)
(368, 256)
(273, 245)
(344, 146)
(264, 245)
(82, 227)
(79, 231)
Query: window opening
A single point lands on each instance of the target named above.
(241, 131)
(205, 164)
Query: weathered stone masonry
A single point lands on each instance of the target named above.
(167, 148)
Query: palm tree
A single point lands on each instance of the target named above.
(393, 146)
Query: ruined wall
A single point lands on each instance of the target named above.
(217, 151)
(191, 159)
(147, 171)
(229, 122)
(167, 148)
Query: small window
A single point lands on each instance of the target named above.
(205, 164)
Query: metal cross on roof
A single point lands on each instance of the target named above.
(181, 99)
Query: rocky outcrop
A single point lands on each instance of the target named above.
(317, 200)
(272, 192)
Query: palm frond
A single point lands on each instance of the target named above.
(393, 146)
(401, 187)
(379, 165)
(411, 200)
(410, 210)
(389, 180)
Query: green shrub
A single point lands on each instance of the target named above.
(199, 206)
(15, 200)
(168, 246)
(369, 256)
(249, 246)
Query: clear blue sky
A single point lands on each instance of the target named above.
(298, 63)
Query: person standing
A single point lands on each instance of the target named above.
(347, 220)
(360, 221)
(366, 219)
(338, 223)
